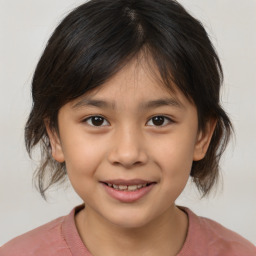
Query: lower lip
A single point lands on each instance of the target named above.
(128, 196)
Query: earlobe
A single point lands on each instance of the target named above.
(57, 152)
(203, 140)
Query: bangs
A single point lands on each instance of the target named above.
(93, 43)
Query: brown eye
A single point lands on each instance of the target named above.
(96, 121)
(159, 121)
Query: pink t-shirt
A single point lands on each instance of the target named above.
(60, 238)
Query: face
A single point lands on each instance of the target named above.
(129, 146)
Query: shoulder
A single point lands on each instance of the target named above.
(216, 239)
(44, 240)
(226, 240)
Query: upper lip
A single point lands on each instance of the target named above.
(127, 182)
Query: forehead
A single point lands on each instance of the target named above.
(138, 82)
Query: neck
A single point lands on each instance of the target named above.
(162, 236)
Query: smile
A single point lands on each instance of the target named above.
(126, 187)
(128, 191)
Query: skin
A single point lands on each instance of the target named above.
(129, 144)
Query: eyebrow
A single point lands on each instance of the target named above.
(162, 102)
(86, 102)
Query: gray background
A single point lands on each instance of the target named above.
(25, 26)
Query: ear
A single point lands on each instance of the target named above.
(57, 152)
(204, 139)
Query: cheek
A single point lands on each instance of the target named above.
(176, 168)
(82, 160)
(174, 153)
(174, 156)
(82, 156)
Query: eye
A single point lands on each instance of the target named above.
(96, 121)
(159, 121)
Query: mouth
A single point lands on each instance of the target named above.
(128, 191)
(124, 187)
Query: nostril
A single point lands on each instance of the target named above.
(127, 164)
(127, 155)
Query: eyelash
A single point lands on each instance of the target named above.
(166, 119)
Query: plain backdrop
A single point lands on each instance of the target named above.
(25, 26)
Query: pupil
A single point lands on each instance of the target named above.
(97, 120)
(158, 120)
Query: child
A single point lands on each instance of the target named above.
(126, 104)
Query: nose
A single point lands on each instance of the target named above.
(128, 149)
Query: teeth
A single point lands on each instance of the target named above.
(122, 187)
(127, 188)
(132, 187)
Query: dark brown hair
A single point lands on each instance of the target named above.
(96, 40)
